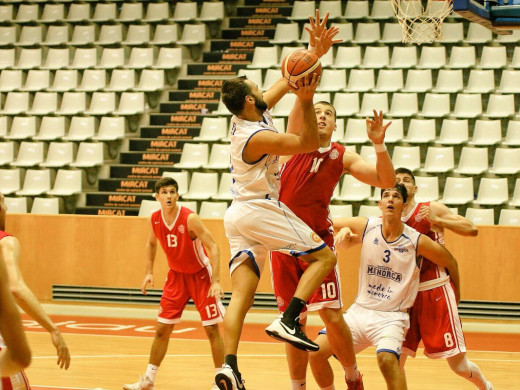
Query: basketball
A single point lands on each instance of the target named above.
(300, 63)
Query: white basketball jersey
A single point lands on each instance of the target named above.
(389, 271)
(256, 180)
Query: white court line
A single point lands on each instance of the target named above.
(241, 342)
(249, 356)
(60, 387)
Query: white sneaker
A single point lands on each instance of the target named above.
(226, 379)
(292, 335)
(144, 383)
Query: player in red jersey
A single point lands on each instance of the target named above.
(192, 274)
(434, 318)
(307, 183)
(25, 298)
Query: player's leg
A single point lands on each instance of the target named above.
(285, 275)
(465, 368)
(174, 299)
(389, 366)
(340, 341)
(320, 365)
(157, 354)
(244, 281)
(387, 330)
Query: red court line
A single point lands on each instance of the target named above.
(252, 332)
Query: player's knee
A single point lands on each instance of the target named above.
(212, 331)
(460, 366)
(332, 317)
(163, 330)
(387, 362)
(328, 258)
(318, 357)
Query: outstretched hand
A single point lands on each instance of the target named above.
(306, 86)
(344, 237)
(375, 129)
(320, 38)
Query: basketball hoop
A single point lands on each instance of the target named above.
(421, 20)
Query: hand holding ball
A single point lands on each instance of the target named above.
(300, 63)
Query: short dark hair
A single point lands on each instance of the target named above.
(234, 92)
(325, 103)
(399, 188)
(165, 182)
(406, 171)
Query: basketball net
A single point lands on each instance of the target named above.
(421, 21)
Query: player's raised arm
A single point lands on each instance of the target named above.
(381, 175)
(196, 227)
(441, 256)
(150, 251)
(268, 142)
(440, 215)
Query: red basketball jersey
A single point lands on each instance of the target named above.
(183, 254)
(305, 192)
(429, 270)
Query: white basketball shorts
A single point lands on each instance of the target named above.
(383, 329)
(256, 226)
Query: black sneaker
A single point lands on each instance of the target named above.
(291, 335)
(226, 379)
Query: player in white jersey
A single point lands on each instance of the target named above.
(391, 254)
(256, 222)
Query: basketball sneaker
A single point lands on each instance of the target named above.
(291, 334)
(226, 379)
(144, 383)
(355, 384)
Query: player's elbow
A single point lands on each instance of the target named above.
(21, 357)
(388, 182)
(16, 291)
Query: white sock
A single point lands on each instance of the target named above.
(331, 387)
(151, 370)
(350, 372)
(217, 369)
(299, 384)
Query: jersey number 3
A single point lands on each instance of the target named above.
(386, 259)
(172, 240)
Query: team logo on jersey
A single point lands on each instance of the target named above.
(315, 237)
(181, 229)
(334, 154)
(400, 249)
(279, 301)
(376, 241)
(384, 272)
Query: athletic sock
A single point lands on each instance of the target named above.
(351, 372)
(298, 384)
(151, 371)
(293, 310)
(231, 360)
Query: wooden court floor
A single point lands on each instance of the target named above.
(108, 352)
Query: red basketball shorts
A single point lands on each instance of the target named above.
(178, 290)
